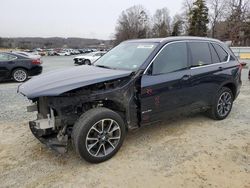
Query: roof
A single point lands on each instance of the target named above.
(168, 39)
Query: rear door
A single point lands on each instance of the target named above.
(206, 69)
(165, 84)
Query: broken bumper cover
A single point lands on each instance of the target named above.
(49, 138)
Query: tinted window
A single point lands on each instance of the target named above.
(215, 57)
(3, 57)
(11, 57)
(172, 58)
(6, 57)
(221, 52)
(200, 53)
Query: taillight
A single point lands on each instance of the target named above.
(241, 67)
(36, 62)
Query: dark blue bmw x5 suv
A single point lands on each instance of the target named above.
(136, 83)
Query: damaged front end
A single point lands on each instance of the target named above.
(48, 127)
(61, 97)
(58, 114)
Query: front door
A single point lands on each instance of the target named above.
(165, 86)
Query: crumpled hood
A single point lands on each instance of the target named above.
(60, 81)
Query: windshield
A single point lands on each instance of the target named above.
(128, 56)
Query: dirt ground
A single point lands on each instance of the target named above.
(192, 151)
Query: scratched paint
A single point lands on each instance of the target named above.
(157, 101)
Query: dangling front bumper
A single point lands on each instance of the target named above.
(49, 138)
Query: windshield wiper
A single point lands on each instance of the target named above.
(103, 66)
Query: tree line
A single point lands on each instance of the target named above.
(52, 42)
(226, 20)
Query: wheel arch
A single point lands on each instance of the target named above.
(19, 67)
(232, 87)
(116, 106)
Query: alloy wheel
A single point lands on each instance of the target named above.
(20, 75)
(103, 137)
(224, 104)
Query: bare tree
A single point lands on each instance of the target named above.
(187, 7)
(216, 13)
(177, 25)
(237, 20)
(161, 23)
(132, 23)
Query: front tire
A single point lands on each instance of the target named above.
(87, 62)
(222, 105)
(98, 134)
(20, 75)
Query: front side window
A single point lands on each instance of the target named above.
(172, 58)
(200, 53)
(221, 52)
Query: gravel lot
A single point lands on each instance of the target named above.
(192, 151)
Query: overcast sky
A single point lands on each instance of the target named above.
(70, 18)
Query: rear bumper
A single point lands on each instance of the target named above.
(49, 138)
(35, 70)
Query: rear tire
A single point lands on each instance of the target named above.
(20, 75)
(98, 135)
(222, 104)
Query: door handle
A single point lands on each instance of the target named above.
(186, 77)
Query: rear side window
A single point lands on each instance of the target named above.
(172, 58)
(221, 52)
(6, 57)
(200, 53)
(215, 57)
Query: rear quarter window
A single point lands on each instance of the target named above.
(223, 55)
(215, 57)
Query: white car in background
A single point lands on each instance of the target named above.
(64, 53)
(89, 58)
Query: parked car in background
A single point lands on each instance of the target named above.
(27, 54)
(75, 52)
(63, 53)
(81, 51)
(89, 58)
(137, 83)
(51, 52)
(18, 67)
